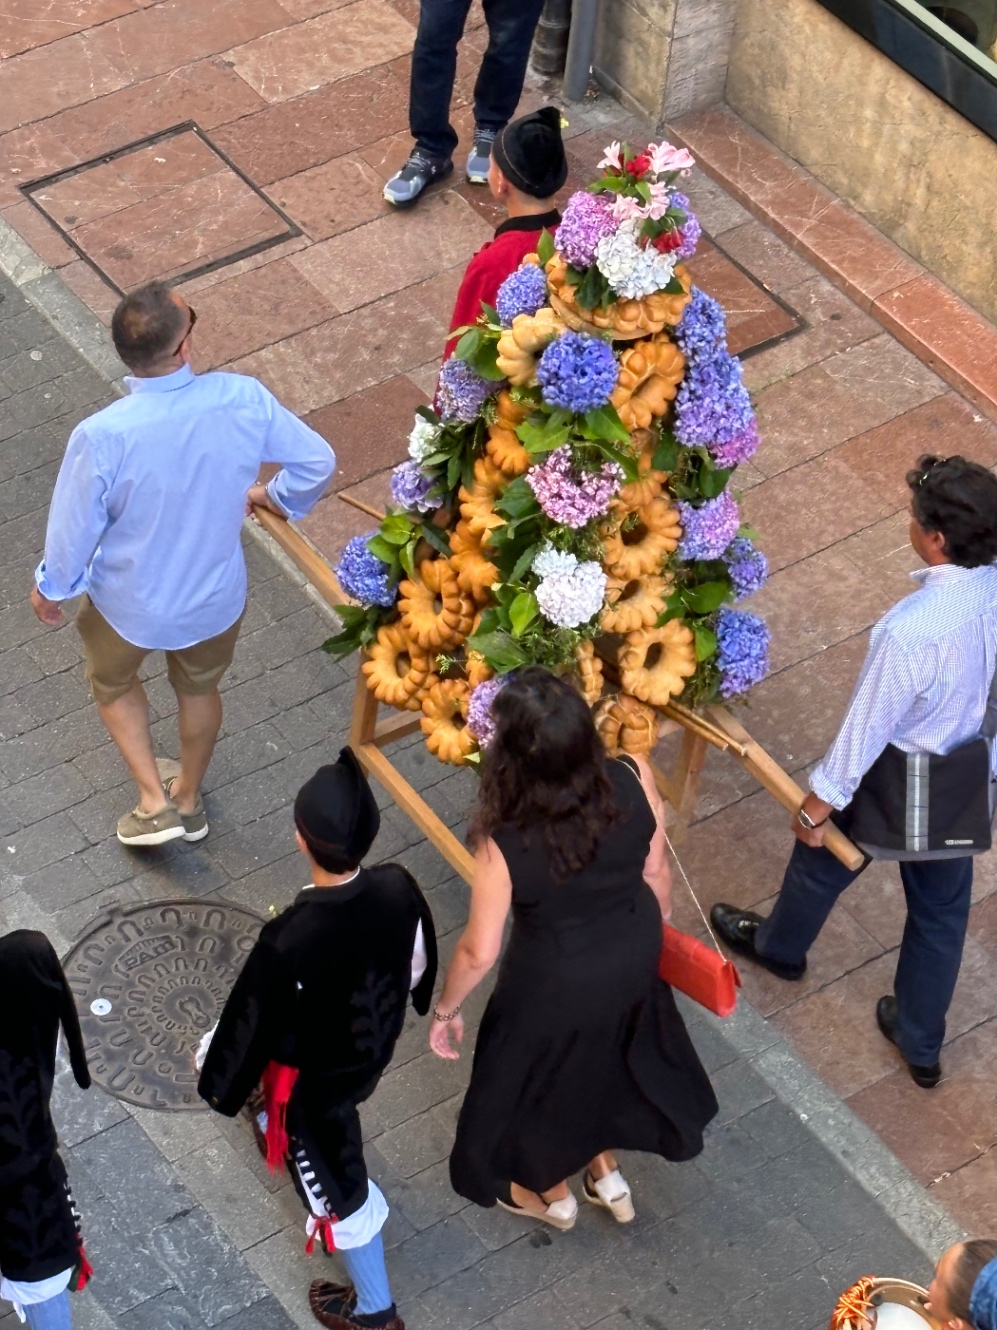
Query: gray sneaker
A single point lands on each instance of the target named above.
(195, 824)
(139, 828)
(480, 157)
(419, 171)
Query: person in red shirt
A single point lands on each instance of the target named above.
(528, 168)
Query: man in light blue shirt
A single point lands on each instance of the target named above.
(145, 522)
(923, 688)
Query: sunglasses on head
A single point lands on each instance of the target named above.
(190, 328)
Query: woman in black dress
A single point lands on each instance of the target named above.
(581, 1048)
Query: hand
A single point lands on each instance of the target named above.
(258, 497)
(440, 1041)
(48, 611)
(818, 811)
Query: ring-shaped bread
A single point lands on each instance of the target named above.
(638, 539)
(650, 373)
(444, 721)
(520, 345)
(626, 319)
(626, 725)
(505, 452)
(633, 604)
(397, 668)
(589, 671)
(435, 613)
(665, 677)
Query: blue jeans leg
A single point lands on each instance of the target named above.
(499, 86)
(938, 895)
(813, 881)
(51, 1315)
(434, 67)
(369, 1275)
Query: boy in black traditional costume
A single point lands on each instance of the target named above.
(315, 1015)
(41, 1254)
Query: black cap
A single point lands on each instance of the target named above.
(530, 153)
(336, 811)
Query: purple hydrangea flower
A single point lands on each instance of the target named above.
(708, 529)
(480, 720)
(748, 567)
(572, 497)
(461, 392)
(523, 292)
(362, 575)
(585, 220)
(740, 448)
(691, 232)
(577, 373)
(742, 651)
(702, 330)
(712, 406)
(409, 487)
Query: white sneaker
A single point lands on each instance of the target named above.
(612, 1193)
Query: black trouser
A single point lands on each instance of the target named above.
(511, 25)
(938, 897)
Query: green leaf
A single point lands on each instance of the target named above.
(644, 190)
(542, 433)
(380, 548)
(396, 529)
(523, 610)
(705, 640)
(674, 609)
(674, 287)
(713, 482)
(747, 531)
(499, 649)
(485, 362)
(406, 557)
(489, 312)
(523, 563)
(517, 499)
(436, 537)
(545, 247)
(489, 621)
(468, 344)
(593, 291)
(666, 455)
(360, 624)
(706, 597)
(453, 472)
(605, 423)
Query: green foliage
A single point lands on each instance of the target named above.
(545, 247)
(479, 348)
(360, 625)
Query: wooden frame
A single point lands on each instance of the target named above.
(714, 726)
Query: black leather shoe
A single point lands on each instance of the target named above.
(886, 1018)
(738, 928)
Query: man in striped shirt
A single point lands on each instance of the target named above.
(923, 687)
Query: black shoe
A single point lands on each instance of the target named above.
(886, 1018)
(738, 929)
(416, 175)
(334, 1306)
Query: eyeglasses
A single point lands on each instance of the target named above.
(190, 328)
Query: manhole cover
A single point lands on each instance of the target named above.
(149, 981)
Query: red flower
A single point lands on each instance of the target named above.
(637, 165)
(667, 241)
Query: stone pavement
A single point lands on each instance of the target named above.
(184, 1226)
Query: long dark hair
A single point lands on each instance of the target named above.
(546, 768)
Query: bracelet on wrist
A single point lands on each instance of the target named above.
(445, 1016)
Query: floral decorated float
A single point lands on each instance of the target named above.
(569, 501)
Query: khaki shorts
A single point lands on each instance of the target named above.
(113, 663)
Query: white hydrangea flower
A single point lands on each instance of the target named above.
(571, 598)
(632, 272)
(550, 562)
(423, 439)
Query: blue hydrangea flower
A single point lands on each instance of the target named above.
(748, 567)
(523, 292)
(742, 651)
(702, 330)
(462, 391)
(409, 487)
(577, 373)
(362, 575)
(713, 409)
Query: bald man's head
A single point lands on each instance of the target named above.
(148, 326)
